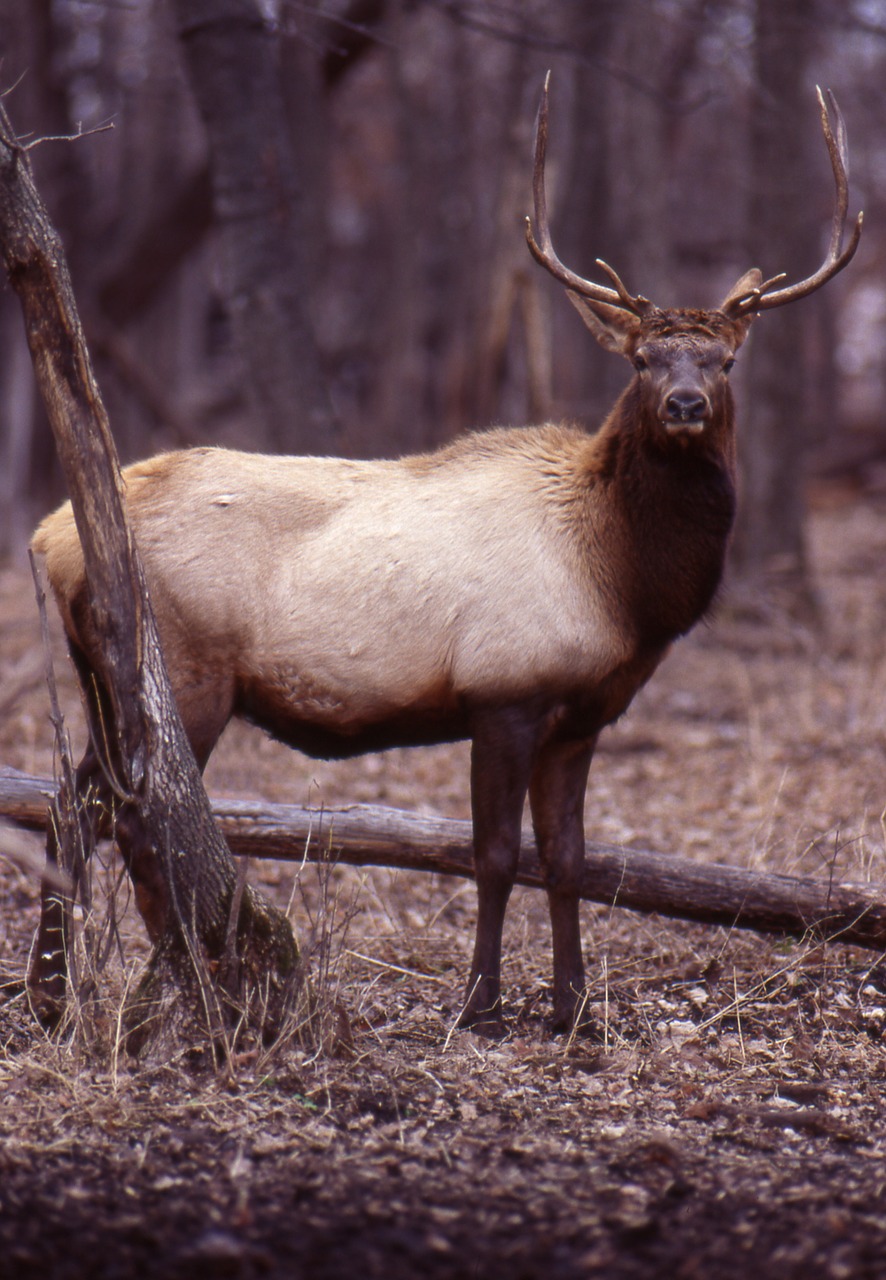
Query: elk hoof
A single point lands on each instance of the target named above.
(489, 1029)
(47, 1007)
(572, 1017)
(487, 1023)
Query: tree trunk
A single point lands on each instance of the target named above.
(784, 237)
(183, 873)
(17, 402)
(233, 57)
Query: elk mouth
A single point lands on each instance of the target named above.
(684, 426)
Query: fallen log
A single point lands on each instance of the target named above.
(669, 885)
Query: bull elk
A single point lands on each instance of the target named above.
(516, 587)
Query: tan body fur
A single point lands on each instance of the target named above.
(392, 589)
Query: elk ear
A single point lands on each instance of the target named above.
(611, 326)
(750, 281)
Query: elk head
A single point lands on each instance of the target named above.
(684, 355)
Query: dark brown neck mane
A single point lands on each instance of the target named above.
(675, 500)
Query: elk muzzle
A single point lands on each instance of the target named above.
(685, 410)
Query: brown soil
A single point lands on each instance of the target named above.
(727, 1118)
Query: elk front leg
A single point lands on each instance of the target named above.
(501, 760)
(556, 798)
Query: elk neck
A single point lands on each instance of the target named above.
(672, 499)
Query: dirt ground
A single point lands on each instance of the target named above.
(727, 1119)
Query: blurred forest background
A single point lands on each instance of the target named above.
(304, 232)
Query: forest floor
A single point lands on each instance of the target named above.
(728, 1117)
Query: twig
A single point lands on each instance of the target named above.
(12, 88)
(396, 968)
(18, 145)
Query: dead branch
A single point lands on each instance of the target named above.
(64, 137)
(639, 879)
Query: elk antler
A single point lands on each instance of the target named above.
(543, 252)
(761, 299)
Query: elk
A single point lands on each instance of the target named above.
(515, 588)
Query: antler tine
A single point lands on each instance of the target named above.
(838, 150)
(836, 258)
(741, 303)
(629, 301)
(542, 249)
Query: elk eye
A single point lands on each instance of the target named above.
(728, 365)
(640, 364)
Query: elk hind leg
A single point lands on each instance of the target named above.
(501, 758)
(91, 820)
(556, 798)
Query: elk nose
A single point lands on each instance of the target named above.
(686, 406)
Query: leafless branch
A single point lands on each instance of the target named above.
(63, 137)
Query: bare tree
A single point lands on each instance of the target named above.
(784, 233)
(233, 55)
(182, 870)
